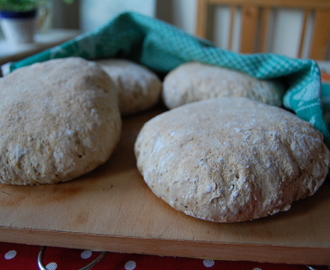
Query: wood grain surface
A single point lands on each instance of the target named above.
(112, 209)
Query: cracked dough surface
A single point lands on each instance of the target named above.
(231, 159)
(59, 119)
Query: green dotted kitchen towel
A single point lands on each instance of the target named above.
(162, 47)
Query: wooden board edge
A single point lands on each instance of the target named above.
(169, 247)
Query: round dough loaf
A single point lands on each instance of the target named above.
(59, 119)
(139, 88)
(195, 81)
(231, 159)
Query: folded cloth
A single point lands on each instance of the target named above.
(162, 47)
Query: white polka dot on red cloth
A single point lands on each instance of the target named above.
(208, 263)
(86, 254)
(130, 265)
(51, 266)
(10, 254)
(257, 268)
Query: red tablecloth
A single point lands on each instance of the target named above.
(24, 257)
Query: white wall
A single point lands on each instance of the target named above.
(94, 15)
(287, 29)
(184, 15)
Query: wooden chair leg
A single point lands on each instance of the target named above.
(321, 35)
(201, 24)
(249, 30)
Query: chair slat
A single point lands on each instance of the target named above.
(276, 3)
(231, 26)
(201, 24)
(321, 35)
(307, 13)
(264, 29)
(249, 29)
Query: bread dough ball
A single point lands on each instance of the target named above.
(231, 159)
(195, 81)
(59, 119)
(139, 88)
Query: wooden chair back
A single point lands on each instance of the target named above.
(255, 15)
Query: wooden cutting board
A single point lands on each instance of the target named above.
(112, 209)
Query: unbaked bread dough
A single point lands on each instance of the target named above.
(195, 81)
(231, 159)
(139, 88)
(59, 119)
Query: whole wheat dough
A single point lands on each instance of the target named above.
(231, 159)
(195, 81)
(59, 119)
(139, 88)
